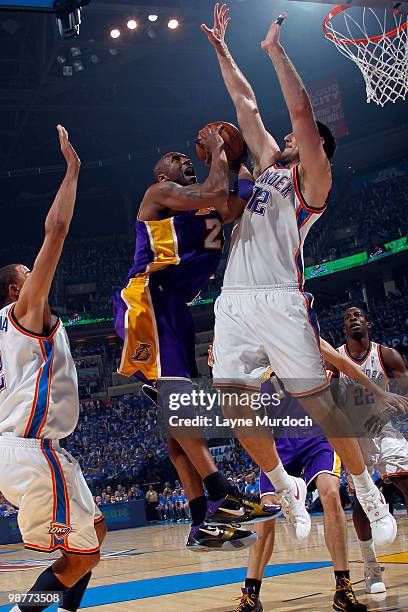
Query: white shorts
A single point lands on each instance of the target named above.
(56, 507)
(387, 453)
(259, 328)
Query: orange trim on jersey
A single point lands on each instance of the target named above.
(26, 332)
(303, 203)
(381, 360)
(394, 474)
(311, 392)
(68, 549)
(99, 520)
(48, 393)
(355, 360)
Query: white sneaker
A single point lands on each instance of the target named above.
(294, 510)
(383, 524)
(373, 579)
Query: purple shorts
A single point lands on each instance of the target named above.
(307, 456)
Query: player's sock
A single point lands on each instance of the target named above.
(198, 509)
(73, 597)
(217, 486)
(368, 552)
(47, 582)
(339, 574)
(362, 482)
(255, 584)
(280, 478)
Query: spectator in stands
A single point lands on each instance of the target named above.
(152, 498)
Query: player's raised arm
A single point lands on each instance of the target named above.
(314, 164)
(213, 192)
(31, 309)
(264, 149)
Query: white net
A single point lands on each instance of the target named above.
(375, 40)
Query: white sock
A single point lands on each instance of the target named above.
(368, 552)
(363, 483)
(280, 478)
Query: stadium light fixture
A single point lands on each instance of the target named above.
(153, 18)
(132, 24)
(173, 24)
(115, 33)
(68, 14)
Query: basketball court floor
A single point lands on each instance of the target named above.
(149, 568)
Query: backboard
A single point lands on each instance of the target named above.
(28, 5)
(401, 5)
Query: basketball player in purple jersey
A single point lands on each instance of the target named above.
(39, 406)
(263, 316)
(387, 452)
(179, 240)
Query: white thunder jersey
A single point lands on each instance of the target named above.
(267, 241)
(38, 381)
(372, 364)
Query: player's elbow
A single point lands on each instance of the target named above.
(57, 229)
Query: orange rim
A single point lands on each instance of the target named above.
(356, 41)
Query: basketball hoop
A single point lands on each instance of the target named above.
(382, 57)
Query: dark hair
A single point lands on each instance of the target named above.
(329, 144)
(8, 276)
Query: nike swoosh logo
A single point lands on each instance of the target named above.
(298, 492)
(214, 532)
(232, 512)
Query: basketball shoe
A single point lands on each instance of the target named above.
(345, 599)
(234, 509)
(249, 602)
(219, 537)
(383, 524)
(373, 579)
(294, 509)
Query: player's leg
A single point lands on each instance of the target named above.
(335, 532)
(240, 361)
(72, 598)
(305, 379)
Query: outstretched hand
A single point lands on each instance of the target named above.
(216, 34)
(67, 149)
(272, 39)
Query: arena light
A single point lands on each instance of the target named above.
(115, 33)
(68, 14)
(132, 24)
(153, 18)
(173, 24)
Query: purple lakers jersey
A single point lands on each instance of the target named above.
(180, 253)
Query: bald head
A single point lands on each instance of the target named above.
(175, 167)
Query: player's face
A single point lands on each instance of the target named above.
(355, 323)
(291, 150)
(181, 169)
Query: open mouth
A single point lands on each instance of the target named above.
(189, 171)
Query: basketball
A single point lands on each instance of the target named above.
(234, 142)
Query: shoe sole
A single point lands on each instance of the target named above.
(245, 521)
(227, 545)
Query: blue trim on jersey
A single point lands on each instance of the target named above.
(302, 216)
(43, 386)
(61, 515)
(299, 265)
(312, 313)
